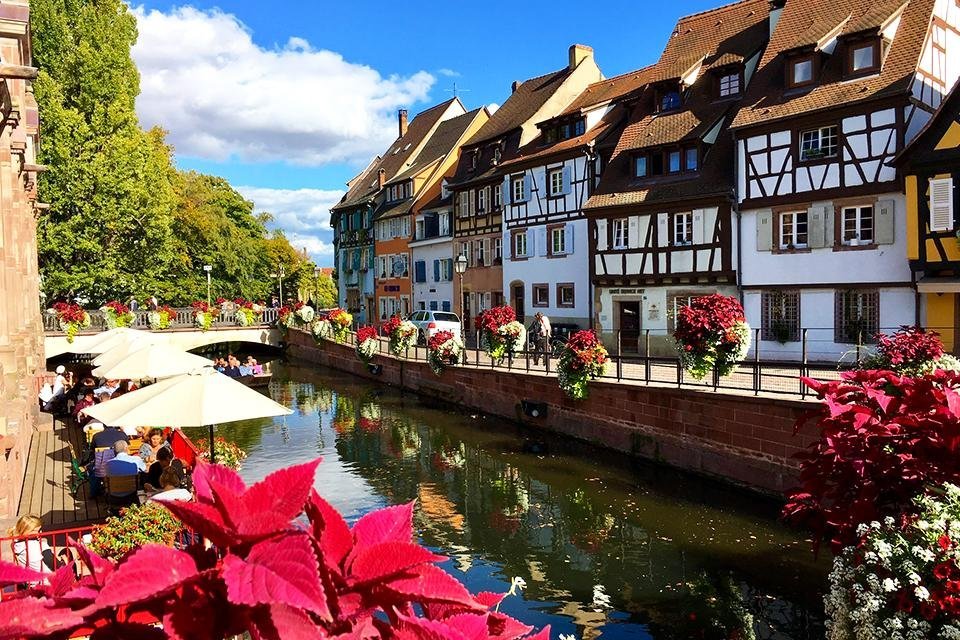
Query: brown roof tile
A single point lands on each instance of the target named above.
(610, 89)
(805, 22)
(440, 144)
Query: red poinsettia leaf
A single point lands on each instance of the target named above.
(15, 574)
(205, 520)
(473, 626)
(393, 524)
(149, 571)
(361, 630)
(489, 599)
(430, 583)
(411, 628)
(228, 502)
(283, 492)
(280, 571)
(80, 594)
(503, 626)
(128, 631)
(27, 617)
(98, 567)
(63, 580)
(204, 472)
(388, 559)
(281, 622)
(330, 529)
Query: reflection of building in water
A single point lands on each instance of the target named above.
(436, 507)
(588, 620)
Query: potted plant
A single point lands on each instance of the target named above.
(443, 350)
(402, 334)
(160, 319)
(116, 314)
(71, 318)
(583, 358)
(367, 344)
(712, 334)
(500, 333)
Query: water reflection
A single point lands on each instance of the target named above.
(607, 550)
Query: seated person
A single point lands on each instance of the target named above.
(170, 488)
(108, 437)
(109, 387)
(164, 461)
(88, 399)
(152, 443)
(122, 450)
(233, 367)
(33, 553)
(92, 428)
(255, 366)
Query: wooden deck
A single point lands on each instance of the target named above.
(46, 482)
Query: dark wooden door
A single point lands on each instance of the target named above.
(519, 302)
(629, 326)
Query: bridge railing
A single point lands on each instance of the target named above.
(183, 319)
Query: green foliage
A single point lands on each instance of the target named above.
(122, 220)
(133, 528)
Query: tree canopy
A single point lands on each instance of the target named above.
(122, 219)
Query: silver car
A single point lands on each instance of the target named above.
(431, 322)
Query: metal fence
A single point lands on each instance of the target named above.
(184, 318)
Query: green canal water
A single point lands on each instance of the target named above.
(609, 548)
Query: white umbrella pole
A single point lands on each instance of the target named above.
(213, 455)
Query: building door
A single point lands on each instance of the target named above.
(630, 326)
(371, 310)
(519, 302)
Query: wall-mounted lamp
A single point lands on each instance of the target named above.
(533, 409)
(375, 369)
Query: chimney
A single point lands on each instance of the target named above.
(513, 87)
(381, 177)
(402, 121)
(578, 53)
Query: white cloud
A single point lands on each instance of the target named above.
(450, 73)
(302, 214)
(222, 96)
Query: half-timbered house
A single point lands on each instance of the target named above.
(352, 218)
(546, 254)
(478, 184)
(842, 86)
(931, 166)
(660, 225)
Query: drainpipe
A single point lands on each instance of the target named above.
(592, 172)
(736, 209)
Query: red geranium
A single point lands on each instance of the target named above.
(70, 313)
(366, 333)
(118, 308)
(390, 325)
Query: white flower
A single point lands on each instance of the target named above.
(890, 584)
(921, 593)
(913, 578)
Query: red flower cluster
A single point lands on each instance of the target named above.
(910, 347)
(883, 439)
(267, 572)
(708, 319)
(366, 333)
(118, 307)
(202, 306)
(167, 310)
(438, 339)
(492, 319)
(67, 312)
(390, 325)
(584, 345)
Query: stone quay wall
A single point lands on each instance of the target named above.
(742, 439)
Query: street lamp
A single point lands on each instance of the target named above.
(460, 265)
(208, 268)
(316, 286)
(279, 276)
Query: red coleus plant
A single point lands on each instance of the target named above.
(267, 574)
(909, 351)
(67, 312)
(883, 440)
(118, 308)
(203, 307)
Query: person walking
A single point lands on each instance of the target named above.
(134, 305)
(152, 303)
(540, 331)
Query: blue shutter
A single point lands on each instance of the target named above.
(420, 269)
(446, 305)
(433, 305)
(370, 258)
(568, 231)
(542, 240)
(566, 180)
(436, 271)
(506, 191)
(527, 187)
(449, 269)
(356, 259)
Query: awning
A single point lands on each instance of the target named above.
(938, 285)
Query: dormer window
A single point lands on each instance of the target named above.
(669, 99)
(863, 57)
(579, 127)
(564, 130)
(474, 157)
(640, 166)
(728, 83)
(801, 71)
(496, 154)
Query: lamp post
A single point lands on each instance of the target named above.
(208, 268)
(278, 274)
(316, 286)
(460, 265)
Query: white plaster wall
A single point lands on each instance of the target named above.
(887, 263)
(431, 290)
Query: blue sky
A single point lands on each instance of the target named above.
(289, 100)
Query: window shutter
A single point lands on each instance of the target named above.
(487, 258)
(527, 184)
(449, 269)
(764, 230)
(506, 191)
(541, 241)
(486, 300)
(436, 270)
(816, 227)
(356, 259)
(941, 204)
(602, 240)
(698, 231)
(473, 202)
(663, 230)
(568, 232)
(883, 220)
(420, 271)
(566, 181)
(446, 305)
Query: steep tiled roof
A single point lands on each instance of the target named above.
(397, 155)
(537, 150)
(440, 144)
(610, 89)
(806, 22)
(729, 32)
(520, 106)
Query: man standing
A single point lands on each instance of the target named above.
(540, 331)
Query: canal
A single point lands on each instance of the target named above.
(608, 547)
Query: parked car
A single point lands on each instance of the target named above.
(430, 322)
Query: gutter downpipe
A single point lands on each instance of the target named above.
(592, 172)
(736, 208)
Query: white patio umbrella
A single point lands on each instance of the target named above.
(151, 361)
(202, 398)
(121, 350)
(106, 340)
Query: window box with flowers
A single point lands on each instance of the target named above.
(500, 333)
(116, 314)
(443, 350)
(367, 343)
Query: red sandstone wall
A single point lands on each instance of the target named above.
(742, 439)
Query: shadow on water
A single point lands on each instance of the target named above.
(608, 546)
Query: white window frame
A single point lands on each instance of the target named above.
(498, 249)
(561, 234)
(682, 232)
(825, 137)
(443, 223)
(730, 84)
(858, 227)
(497, 197)
(941, 204)
(868, 46)
(555, 180)
(620, 233)
(790, 234)
(466, 253)
(520, 242)
(481, 200)
(518, 189)
(793, 71)
(479, 247)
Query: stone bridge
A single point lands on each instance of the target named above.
(182, 332)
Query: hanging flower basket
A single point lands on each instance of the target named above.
(160, 319)
(71, 318)
(712, 333)
(443, 350)
(116, 314)
(321, 329)
(911, 351)
(583, 358)
(204, 314)
(500, 333)
(367, 343)
(402, 334)
(247, 313)
(340, 322)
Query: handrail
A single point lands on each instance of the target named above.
(184, 318)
